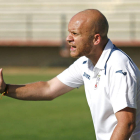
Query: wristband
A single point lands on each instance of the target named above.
(5, 91)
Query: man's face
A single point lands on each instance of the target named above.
(79, 38)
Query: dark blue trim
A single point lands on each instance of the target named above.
(114, 49)
(127, 56)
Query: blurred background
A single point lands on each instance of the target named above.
(33, 32)
(33, 48)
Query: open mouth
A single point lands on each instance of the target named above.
(72, 48)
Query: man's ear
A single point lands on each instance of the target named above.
(97, 39)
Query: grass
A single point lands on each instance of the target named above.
(65, 118)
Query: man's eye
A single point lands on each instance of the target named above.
(75, 33)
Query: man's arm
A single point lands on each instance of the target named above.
(35, 91)
(126, 124)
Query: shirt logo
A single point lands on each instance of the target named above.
(84, 62)
(120, 71)
(86, 75)
(97, 81)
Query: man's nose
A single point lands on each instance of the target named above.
(69, 38)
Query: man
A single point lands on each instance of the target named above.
(111, 79)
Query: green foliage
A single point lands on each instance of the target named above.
(65, 118)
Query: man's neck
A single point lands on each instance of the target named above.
(97, 52)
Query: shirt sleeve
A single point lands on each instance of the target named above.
(123, 89)
(72, 76)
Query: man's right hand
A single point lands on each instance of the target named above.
(2, 83)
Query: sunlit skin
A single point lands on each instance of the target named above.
(82, 38)
(78, 39)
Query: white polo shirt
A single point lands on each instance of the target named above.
(110, 86)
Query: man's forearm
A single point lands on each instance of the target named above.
(33, 91)
(122, 131)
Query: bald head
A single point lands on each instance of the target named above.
(93, 20)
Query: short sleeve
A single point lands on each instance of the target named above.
(123, 89)
(72, 76)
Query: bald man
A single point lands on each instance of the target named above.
(110, 77)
